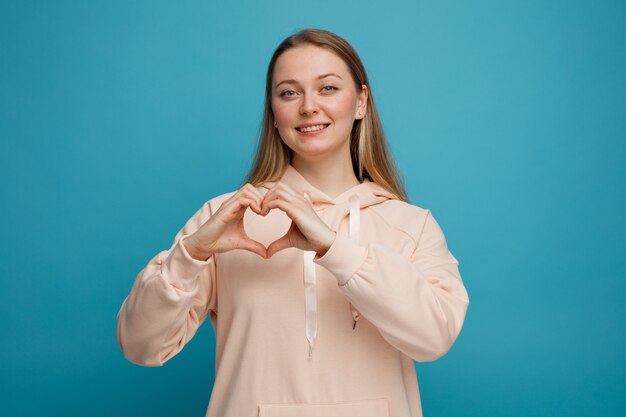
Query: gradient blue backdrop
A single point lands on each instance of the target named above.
(118, 119)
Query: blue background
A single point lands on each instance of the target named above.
(119, 119)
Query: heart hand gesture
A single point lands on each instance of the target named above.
(224, 231)
(307, 232)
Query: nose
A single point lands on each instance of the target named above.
(309, 104)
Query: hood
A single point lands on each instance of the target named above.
(331, 211)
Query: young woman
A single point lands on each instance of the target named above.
(323, 284)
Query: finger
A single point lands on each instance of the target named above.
(247, 191)
(245, 202)
(253, 246)
(281, 204)
(253, 193)
(254, 190)
(278, 245)
(236, 209)
(255, 205)
(267, 197)
(278, 188)
(277, 195)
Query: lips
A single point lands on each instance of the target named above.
(312, 127)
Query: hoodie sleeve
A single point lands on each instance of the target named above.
(417, 304)
(168, 301)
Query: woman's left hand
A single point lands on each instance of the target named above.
(307, 232)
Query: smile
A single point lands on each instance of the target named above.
(311, 128)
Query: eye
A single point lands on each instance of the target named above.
(326, 88)
(287, 93)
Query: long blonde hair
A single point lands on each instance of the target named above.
(370, 153)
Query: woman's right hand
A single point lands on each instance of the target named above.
(224, 231)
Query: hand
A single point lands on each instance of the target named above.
(307, 232)
(224, 231)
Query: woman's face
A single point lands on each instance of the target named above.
(312, 88)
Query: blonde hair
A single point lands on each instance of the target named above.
(370, 153)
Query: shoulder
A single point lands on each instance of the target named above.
(401, 215)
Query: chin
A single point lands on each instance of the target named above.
(314, 153)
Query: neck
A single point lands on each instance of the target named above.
(330, 176)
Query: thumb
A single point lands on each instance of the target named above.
(278, 245)
(253, 246)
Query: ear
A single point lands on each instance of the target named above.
(361, 108)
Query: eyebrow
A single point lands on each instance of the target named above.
(319, 78)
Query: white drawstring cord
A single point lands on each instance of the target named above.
(355, 236)
(310, 298)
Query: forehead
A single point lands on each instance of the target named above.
(306, 63)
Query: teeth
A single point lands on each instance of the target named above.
(311, 128)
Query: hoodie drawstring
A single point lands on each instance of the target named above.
(310, 298)
(355, 236)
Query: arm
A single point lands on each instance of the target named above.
(169, 300)
(417, 304)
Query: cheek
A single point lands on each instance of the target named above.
(281, 111)
(342, 107)
(283, 114)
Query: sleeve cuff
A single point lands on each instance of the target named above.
(343, 258)
(180, 269)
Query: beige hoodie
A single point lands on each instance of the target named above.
(304, 336)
